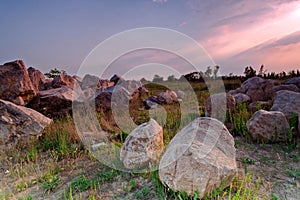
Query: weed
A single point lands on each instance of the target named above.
(143, 193)
(81, 184)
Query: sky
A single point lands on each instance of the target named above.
(234, 33)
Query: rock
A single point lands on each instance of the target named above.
(18, 123)
(167, 97)
(105, 83)
(257, 105)
(15, 83)
(287, 102)
(37, 78)
(135, 88)
(267, 126)
(258, 89)
(294, 81)
(53, 103)
(199, 158)
(143, 145)
(241, 98)
(180, 94)
(217, 105)
(116, 78)
(90, 81)
(63, 80)
(149, 103)
(290, 87)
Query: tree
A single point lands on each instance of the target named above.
(54, 72)
(249, 72)
(262, 71)
(216, 70)
(171, 78)
(157, 78)
(208, 72)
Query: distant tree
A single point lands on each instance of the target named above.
(208, 71)
(216, 70)
(262, 71)
(249, 72)
(54, 72)
(171, 78)
(157, 78)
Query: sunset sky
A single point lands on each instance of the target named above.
(235, 33)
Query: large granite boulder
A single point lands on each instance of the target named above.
(37, 79)
(199, 158)
(217, 105)
(257, 105)
(290, 87)
(90, 81)
(18, 123)
(143, 146)
(15, 83)
(53, 103)
(287, 102)
(241, 98)
(63, 80)
(294, 81)
(167, 97)
(266, 126)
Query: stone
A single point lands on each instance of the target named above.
(290, 87)
(150, 103)
(15, 83)
(199, 158)
(63, 80)
(241, 98)
(37, 78)
(18, 123)
(90, 81)
(257, 105)
(53, 103)
(143, 146)
(265, 126)
(180, 94)
(167, 97)
(294, 81)
(217, 105)
(287, 102)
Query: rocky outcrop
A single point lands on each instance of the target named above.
(290, 87)
(241, 98)
(167, 97)
(116, 78)
(294, 81)
(258, 89)
(53, 103)
(217, 105)
(266, 126)
(90, 81)
(37, 79)
(18, 123)
(143, 146)
(63, 80)
(287, 102)
(15, 83)
(200, 158)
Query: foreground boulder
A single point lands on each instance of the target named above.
(289, 87)
(257, 105)
(53, 103)
(15, 84)
(200, 158)
(217, 105)
(37, 79)
(143, 145)
(294, 81)
(18, 123)
(63, 80)
(241, 98)
(287, 102)
(267, 126)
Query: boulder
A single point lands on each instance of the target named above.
(266, 126)
(151, 102)
(199, 158)
(15, 83)
(258, 89)
(135, 88)
(90, 81)
(63, 80)
(143, 146)
(290, 87)
(18, 123)
(53, 103)
(180, 94)
(294, 81)
(103, 83)
(37, 78)
(241, 98)
(257, 105)
(167, 97)
(217, 105)
(287, 102)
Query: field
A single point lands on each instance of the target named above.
(57, 165)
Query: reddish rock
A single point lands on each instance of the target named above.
(63, 80)
(15, 83)
(167, 97)
(241, 98)
(290, 87)
(257, 105)
(37, 78)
